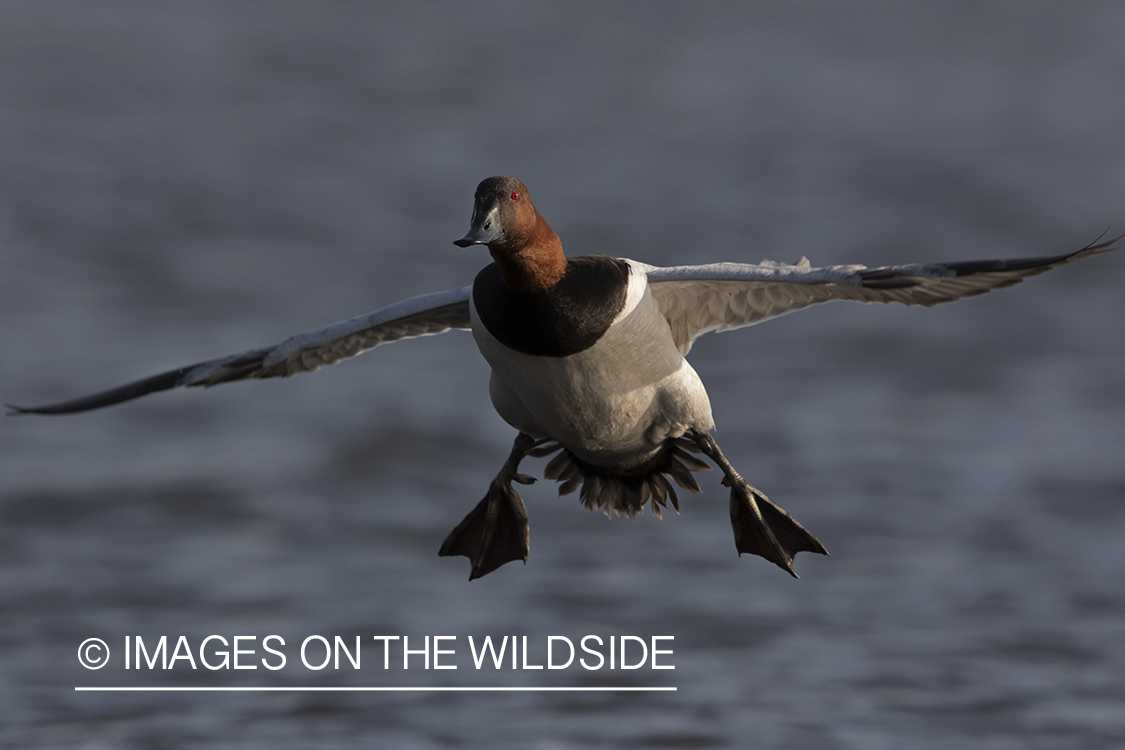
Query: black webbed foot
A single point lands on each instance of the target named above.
(496, 530)
(760, 526)
(494, 533)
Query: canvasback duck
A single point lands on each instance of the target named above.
(588, 363)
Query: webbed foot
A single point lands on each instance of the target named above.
(761, 527)
(496, 530)
(494, 533)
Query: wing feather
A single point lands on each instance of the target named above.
(724, 296)
(418, 316)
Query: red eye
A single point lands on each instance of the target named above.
(515, 195)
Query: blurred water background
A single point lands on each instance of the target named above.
(180, 181)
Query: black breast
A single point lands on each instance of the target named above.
(565, 319)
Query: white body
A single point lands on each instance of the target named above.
(612, 405)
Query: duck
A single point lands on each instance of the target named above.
(588, 358)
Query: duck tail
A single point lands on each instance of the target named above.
(626, 494)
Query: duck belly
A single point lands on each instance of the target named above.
(614, 404)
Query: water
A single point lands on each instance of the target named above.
(182, 182)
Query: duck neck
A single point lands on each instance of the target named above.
(538, 263)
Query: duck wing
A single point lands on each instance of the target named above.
(724, 296)
(418, 316)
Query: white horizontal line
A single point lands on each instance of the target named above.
(621, 689)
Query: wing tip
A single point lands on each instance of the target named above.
(127, 392)
(47, 409)
(902, 277)
(1096, 248)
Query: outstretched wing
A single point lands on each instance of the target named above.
(417, 316)
(725, 296)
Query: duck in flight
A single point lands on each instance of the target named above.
(588, 363)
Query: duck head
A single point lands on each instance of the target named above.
(503, 215)
(521, 242)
